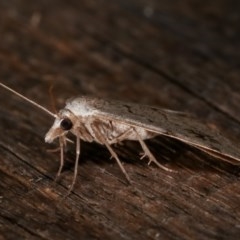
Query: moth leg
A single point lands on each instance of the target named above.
(117, 159)
(114, 155)
(150, 155)
(62, 144)
(75, 166)
(120, 137)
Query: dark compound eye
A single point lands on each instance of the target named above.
(66, 124)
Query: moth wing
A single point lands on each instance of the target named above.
(173, 124)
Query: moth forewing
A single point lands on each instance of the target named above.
(108, 122)
(183, 127)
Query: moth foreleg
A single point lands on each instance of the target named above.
(75, 165)
(62, 144)
(149, 154)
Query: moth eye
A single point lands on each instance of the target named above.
(66, 124)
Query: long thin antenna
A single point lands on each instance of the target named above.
(28, 100)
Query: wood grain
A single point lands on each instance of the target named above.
(178, 56)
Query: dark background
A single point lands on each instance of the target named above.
(182, 55)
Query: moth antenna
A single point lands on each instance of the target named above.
(52, 98)
(28, 100)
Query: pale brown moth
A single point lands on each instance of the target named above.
(107, 122)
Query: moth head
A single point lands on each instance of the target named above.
(64, 122)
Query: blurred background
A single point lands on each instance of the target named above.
(182, 55)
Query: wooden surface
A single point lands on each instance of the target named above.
(182, 55)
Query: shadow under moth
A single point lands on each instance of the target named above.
(107, 122)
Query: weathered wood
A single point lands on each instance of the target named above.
(180, 56)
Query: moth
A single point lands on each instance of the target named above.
(108, 122)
